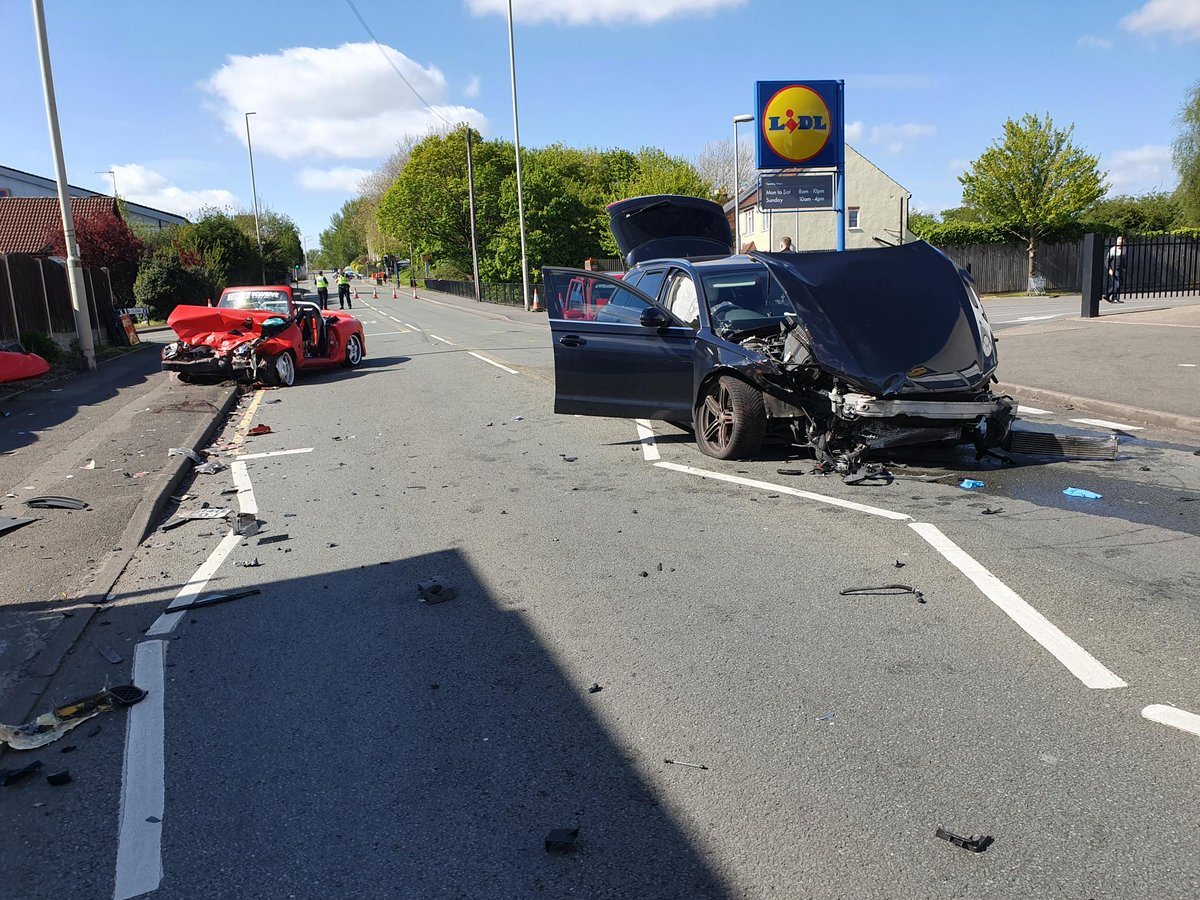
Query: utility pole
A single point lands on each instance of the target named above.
(79, 301)
(471, 197)
(512, 65)
(254, 195)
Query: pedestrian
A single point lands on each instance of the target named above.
(1116, 268)
(344, 291)
(322, 290)
(785, 245)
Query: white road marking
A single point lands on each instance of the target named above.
(1039, 318)
(275, 453)
(1081, 664)
(245, 490)
(1031, 410)
(492, 362)
(1176, 718)
(139, 841)
(782, 489)
(1104, 423)
(166, 622)
(407, 325)
(646, 435)
(1187, 365)
(442, 339)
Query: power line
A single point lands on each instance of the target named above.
(388, 60)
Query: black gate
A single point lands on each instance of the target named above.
(1151, 267)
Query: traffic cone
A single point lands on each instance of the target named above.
(536, 307)
(395, 296)
(375, 294)
(356, 293)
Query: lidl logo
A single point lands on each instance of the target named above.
(796, 123)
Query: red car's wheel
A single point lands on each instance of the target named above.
(354, 352)
(280, 370)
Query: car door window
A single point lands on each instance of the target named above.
(651, 281)
(682, 300)
(623, 308)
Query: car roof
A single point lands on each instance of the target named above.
(705, 265)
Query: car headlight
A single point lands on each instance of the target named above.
(242, 350)
(171, 350)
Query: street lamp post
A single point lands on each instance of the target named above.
(79, 301)
(471, 198)
(512, 65)
(254, 196)
(737, 188)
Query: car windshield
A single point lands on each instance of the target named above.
(272, 301)
(744, 300)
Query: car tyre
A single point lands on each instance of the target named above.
(186, 377)
(280, 370)
(730, 420)
(354, 352)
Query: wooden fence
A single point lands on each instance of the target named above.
(35, 296)
(1001, 268)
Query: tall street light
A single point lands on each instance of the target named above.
(471, 197)
(79, 301)
(512, 65)
(737, 187)
(254, 194)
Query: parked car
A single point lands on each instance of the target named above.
(840, 353)
(261, 334)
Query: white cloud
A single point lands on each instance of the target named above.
(854, 131)
(1179, 18)
(138, 184)
(583, 12)
(1143, 169)
(896, 138)
(1094, 41)
(340, 178)
(343, 102)
(958, 166)
(472, 87)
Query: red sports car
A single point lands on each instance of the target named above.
(261, 334)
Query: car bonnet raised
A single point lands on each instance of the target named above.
(666, 225)
(889, 320)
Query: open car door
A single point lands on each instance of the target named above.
(626, 358)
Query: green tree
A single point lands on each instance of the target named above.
(281, 249)
(163, 283)
(961, 214)
(1034, 181)
(342, 242)
(1185, 153)
(218, 245)
(1148, 212)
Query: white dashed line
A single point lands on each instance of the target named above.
(1187, 365)
(166, 622)
(1038, 318)
(275, 453)
(791, 492)
(1078, 661)
(143, 785)
(646, 436)
(442, 339)
(1032, 410)
(1176, 718)
(1104, 423)
(491, 362)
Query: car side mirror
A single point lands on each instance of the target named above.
(655, 318)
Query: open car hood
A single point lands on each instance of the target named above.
(221, 329)
(891, 320)
(665, 225)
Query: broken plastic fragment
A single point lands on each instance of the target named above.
(1080, 492)
(214, 599)
(188, 452)
(112, 656)
(55, 503)
(272, 539)
(976, 843)
(50, 726)
(59, 778)
(212, 467)
(13, 776)
(970, 484)
(8, 524)
(678, 762)
(992, 512)
(884, 590)
(562, 840)
(435, 590)
(259, 429)
(595, 688)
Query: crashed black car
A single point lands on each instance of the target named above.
(844, 353)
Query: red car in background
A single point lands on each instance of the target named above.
(586, 297)
(261, 334)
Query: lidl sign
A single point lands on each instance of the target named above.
(799, 124)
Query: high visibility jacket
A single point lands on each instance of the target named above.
(343, 279)
(322, 281)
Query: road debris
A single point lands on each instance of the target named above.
(976, 843)
(884, 590)
(272, 539)
(8, 523)
(679, 762)
(435, 590)
(212, 467)
(970, 484)
(138, 475)
(59, 778)
(898, 565)
(562, 840)
(595, 688)
(50, 726)
(828, 717)
(51, 502)
(9, 777)
(992, 512)
(790, 471)
(245, 524)
(186, 451)
(214, 599)
(872, 473)
(258, 430)
(250, 565)
(111, 655)
(643, 574)
(90, 464)
(181, 518)
(1080, 492)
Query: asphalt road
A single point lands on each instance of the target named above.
(334, 736)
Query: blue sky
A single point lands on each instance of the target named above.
(156, 90)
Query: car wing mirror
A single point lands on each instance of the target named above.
(654, 318)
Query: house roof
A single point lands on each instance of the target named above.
(26, 221)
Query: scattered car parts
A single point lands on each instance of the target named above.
(50, 726)
(214, 599)
(7, 523)
(976, 843)
(884, 590)
(52, 502)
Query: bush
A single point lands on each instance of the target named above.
(44, 346)
(163, 283)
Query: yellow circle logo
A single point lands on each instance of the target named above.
(796, 123)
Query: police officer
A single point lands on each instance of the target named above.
(322, 290)
(344, 290)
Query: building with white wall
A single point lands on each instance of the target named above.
(15, 183)
(876, 214)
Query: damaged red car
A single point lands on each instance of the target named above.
(261, 334)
